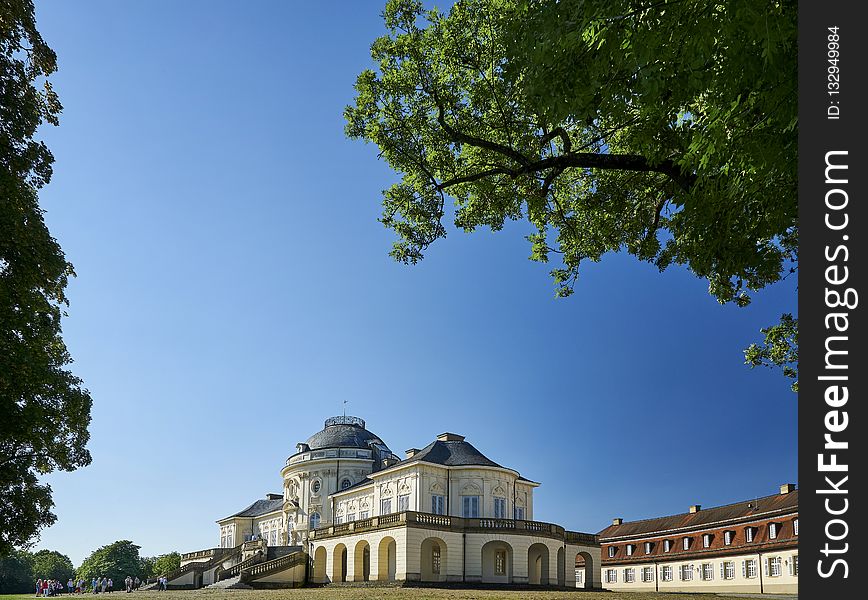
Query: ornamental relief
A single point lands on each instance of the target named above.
(471, 489)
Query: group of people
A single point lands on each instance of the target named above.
(53, 587)
(48, 587)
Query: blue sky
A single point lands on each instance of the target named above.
(234, 289)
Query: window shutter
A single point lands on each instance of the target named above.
(766, 565)
(790, 567)
(744, 569)
(723, 570)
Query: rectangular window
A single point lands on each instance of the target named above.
(519, 513)
(500, 562)
(629, 575)
(579, 577)
(667, 573)
(364, 514)
(611, 576)
(338, 520)
(223, 542)
(707, 571)
(351, 517)
(385, 506)
(775, 566)
(685, 543)
(795, 565)
(647, 574)
(750, 566)
(647, 547)
(727, 537)
(667, 545)
(435, 559)
(500, 508)
(403, 502)
(438, 504)
(686, 572)
(629, 549)
(773, 530)
(611, 551)
(706, 540)
(748, 533)
(727, 570)
(470, 506)
(796, 526)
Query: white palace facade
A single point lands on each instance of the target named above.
(353, 511)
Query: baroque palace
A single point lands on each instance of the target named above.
(351, 510)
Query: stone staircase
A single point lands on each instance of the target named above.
(232, 583)
(264, 569)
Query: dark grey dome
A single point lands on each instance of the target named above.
(343, 432)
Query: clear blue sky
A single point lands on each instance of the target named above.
(234, 288)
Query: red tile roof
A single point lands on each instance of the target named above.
(747, 509)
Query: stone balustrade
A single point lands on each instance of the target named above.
(459, 524)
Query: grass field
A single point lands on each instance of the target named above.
(351, 593)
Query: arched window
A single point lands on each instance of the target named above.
(346, 483)
(314, 520)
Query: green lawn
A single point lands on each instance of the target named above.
(351, 593)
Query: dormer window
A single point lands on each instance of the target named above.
(706, 540)
(630, 549)
(796, 526)
(749, 533)
(727, 538)
(773, 531)
(667, 545)
(648, 546)
(685, 543)
(611, 551)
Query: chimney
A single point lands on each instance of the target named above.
(617, 521)
(274, 496)
(788, 487)
(450, 437)
(695, 508)
(411, 452)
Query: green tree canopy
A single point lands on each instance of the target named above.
(166, 563)
(16, 573)
(44, 410)
(51, 564)
(666, 129)
(114, 561)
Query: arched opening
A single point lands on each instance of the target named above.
(538, 564)
(497, 562)
(314, 520)
(319, 565)
(362, 567)
(433, 559)
(562, 567)
(339, 563)
(387, 556)
(584, 570)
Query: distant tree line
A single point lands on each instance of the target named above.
(20, 568)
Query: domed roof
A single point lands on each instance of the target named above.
(343, 432)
